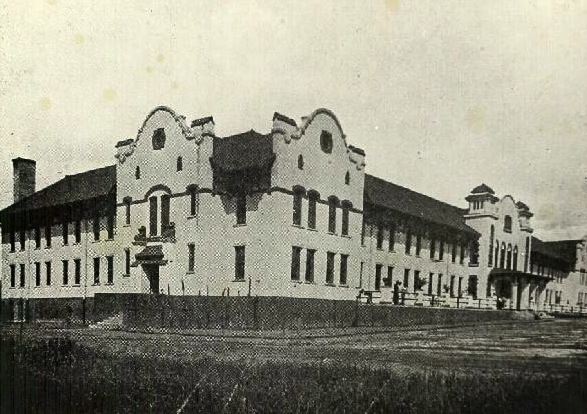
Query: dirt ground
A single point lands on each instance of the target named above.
(552, 345)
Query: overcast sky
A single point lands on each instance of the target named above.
(442, 95)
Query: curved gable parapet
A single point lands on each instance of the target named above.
(180, 120)
(355, 155)
(158, 187)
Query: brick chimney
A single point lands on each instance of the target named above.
(24, 177)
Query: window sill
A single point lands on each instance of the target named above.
(239, 225)
(126, 225)
(126, 275)
(76, 285)
(312, 229)
(299, 226)
(12, 287)
(110, 239)
(343, 286)
(109, 284)
(189, 272)
(330, 284)
(309, 282)
(193, 216)
(239, 280)
(332, 233)
(95, 284)
(346, 236)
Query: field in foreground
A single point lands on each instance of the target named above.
(504, 367)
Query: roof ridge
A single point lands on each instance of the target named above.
(417, 192)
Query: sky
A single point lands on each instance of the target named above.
(441, 95)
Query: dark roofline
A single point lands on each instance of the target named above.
(202, 121)
(287, 120)
(27, 160)
(123, 143)
(357, 150)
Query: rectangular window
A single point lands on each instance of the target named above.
(165, 209)
(378, 268)
(37, 238)
(430, 280)
(110, 264)
(48, 273)
(65, 271)
(295, 262)
(310, 265)
(12, 275)
(127, 262)
(391, 238)
(96, 270)
(194, 202)
(297, 208)
(37, 273)
(344, 258)
(110, 226)
(454, 252)
(241, 209)
(462, 258)
(78, 231)
(389, 280)
(380, 236)
(345, 221)
(191, 257)
(312, 211)
(406, 278)
(77, 276)
(22, 239)
(127, 213)
(329, 268)
(12, 241)
(439, 285)
(96, 228)
(363, 232)
(22, 275)
(361, 275)
(153, 225)
(65, 233)
(441, 250)
(332, 216)
(432, 248)
(452, 286)
(418, 244)
(408, 241)
(239, 262)
(417, 281)
(472, 286)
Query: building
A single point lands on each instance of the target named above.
(289, 213)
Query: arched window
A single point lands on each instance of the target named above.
(502, 256)
(179, 163)
(300, 162)
(527, 254)
(507, 224)
(347, 178)
(138, 172)
(515, 257)
(496, 253)
(346, 206)
(509, 257)
(332, 202)
(491, 235)
(313, 197)
(298, 194)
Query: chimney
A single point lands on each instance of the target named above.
(24, 177)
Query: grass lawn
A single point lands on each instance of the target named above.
(514, 366)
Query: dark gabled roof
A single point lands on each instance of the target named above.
(242, 151)
(565, 250)
(70, 189)
(382, 193)
(483, 188)
(202, 121)
(522, 206)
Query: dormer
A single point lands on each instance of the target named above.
(482, 201)
(524, 216)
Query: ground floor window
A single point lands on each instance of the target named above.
(37, 274)
(239, 262)
(65, 272)
(406, 278)
(110, 263)
(378, 268)
(22, 275)
(295, 262)
(48, 272)
(343, 268)
(310, 253)
(12, 276)
(329, 268)
(472, 286)
(77, 271)
(96, 270)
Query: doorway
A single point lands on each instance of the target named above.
(152, 272)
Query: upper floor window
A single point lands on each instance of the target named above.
(239, 262)
(165, 210)
(418, 244)
(110, 226)
(110, 269)
(432, 248)
(490, 253)
(137, 172)
(37, 238)
(65, 231)
(12, 240)
(12, 275)
(391, 237)
(502, 256)
(179, 164)
(507, 224)
(515, 265)
(509, 257)
(441, 250)
(158, 139)
(326, 142)
(312, 200)
(191, 256)
(297, 206)
(345, 218)
(347, 178)
(78, 231)
(127, 212)
(96, 228)
(300, 162)
(153, 225)
(22, 239)
(462, 256)
(241, 209)
(332, 201)
(48, 235)
(408, 241)
(194, 201)
(380, 236)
